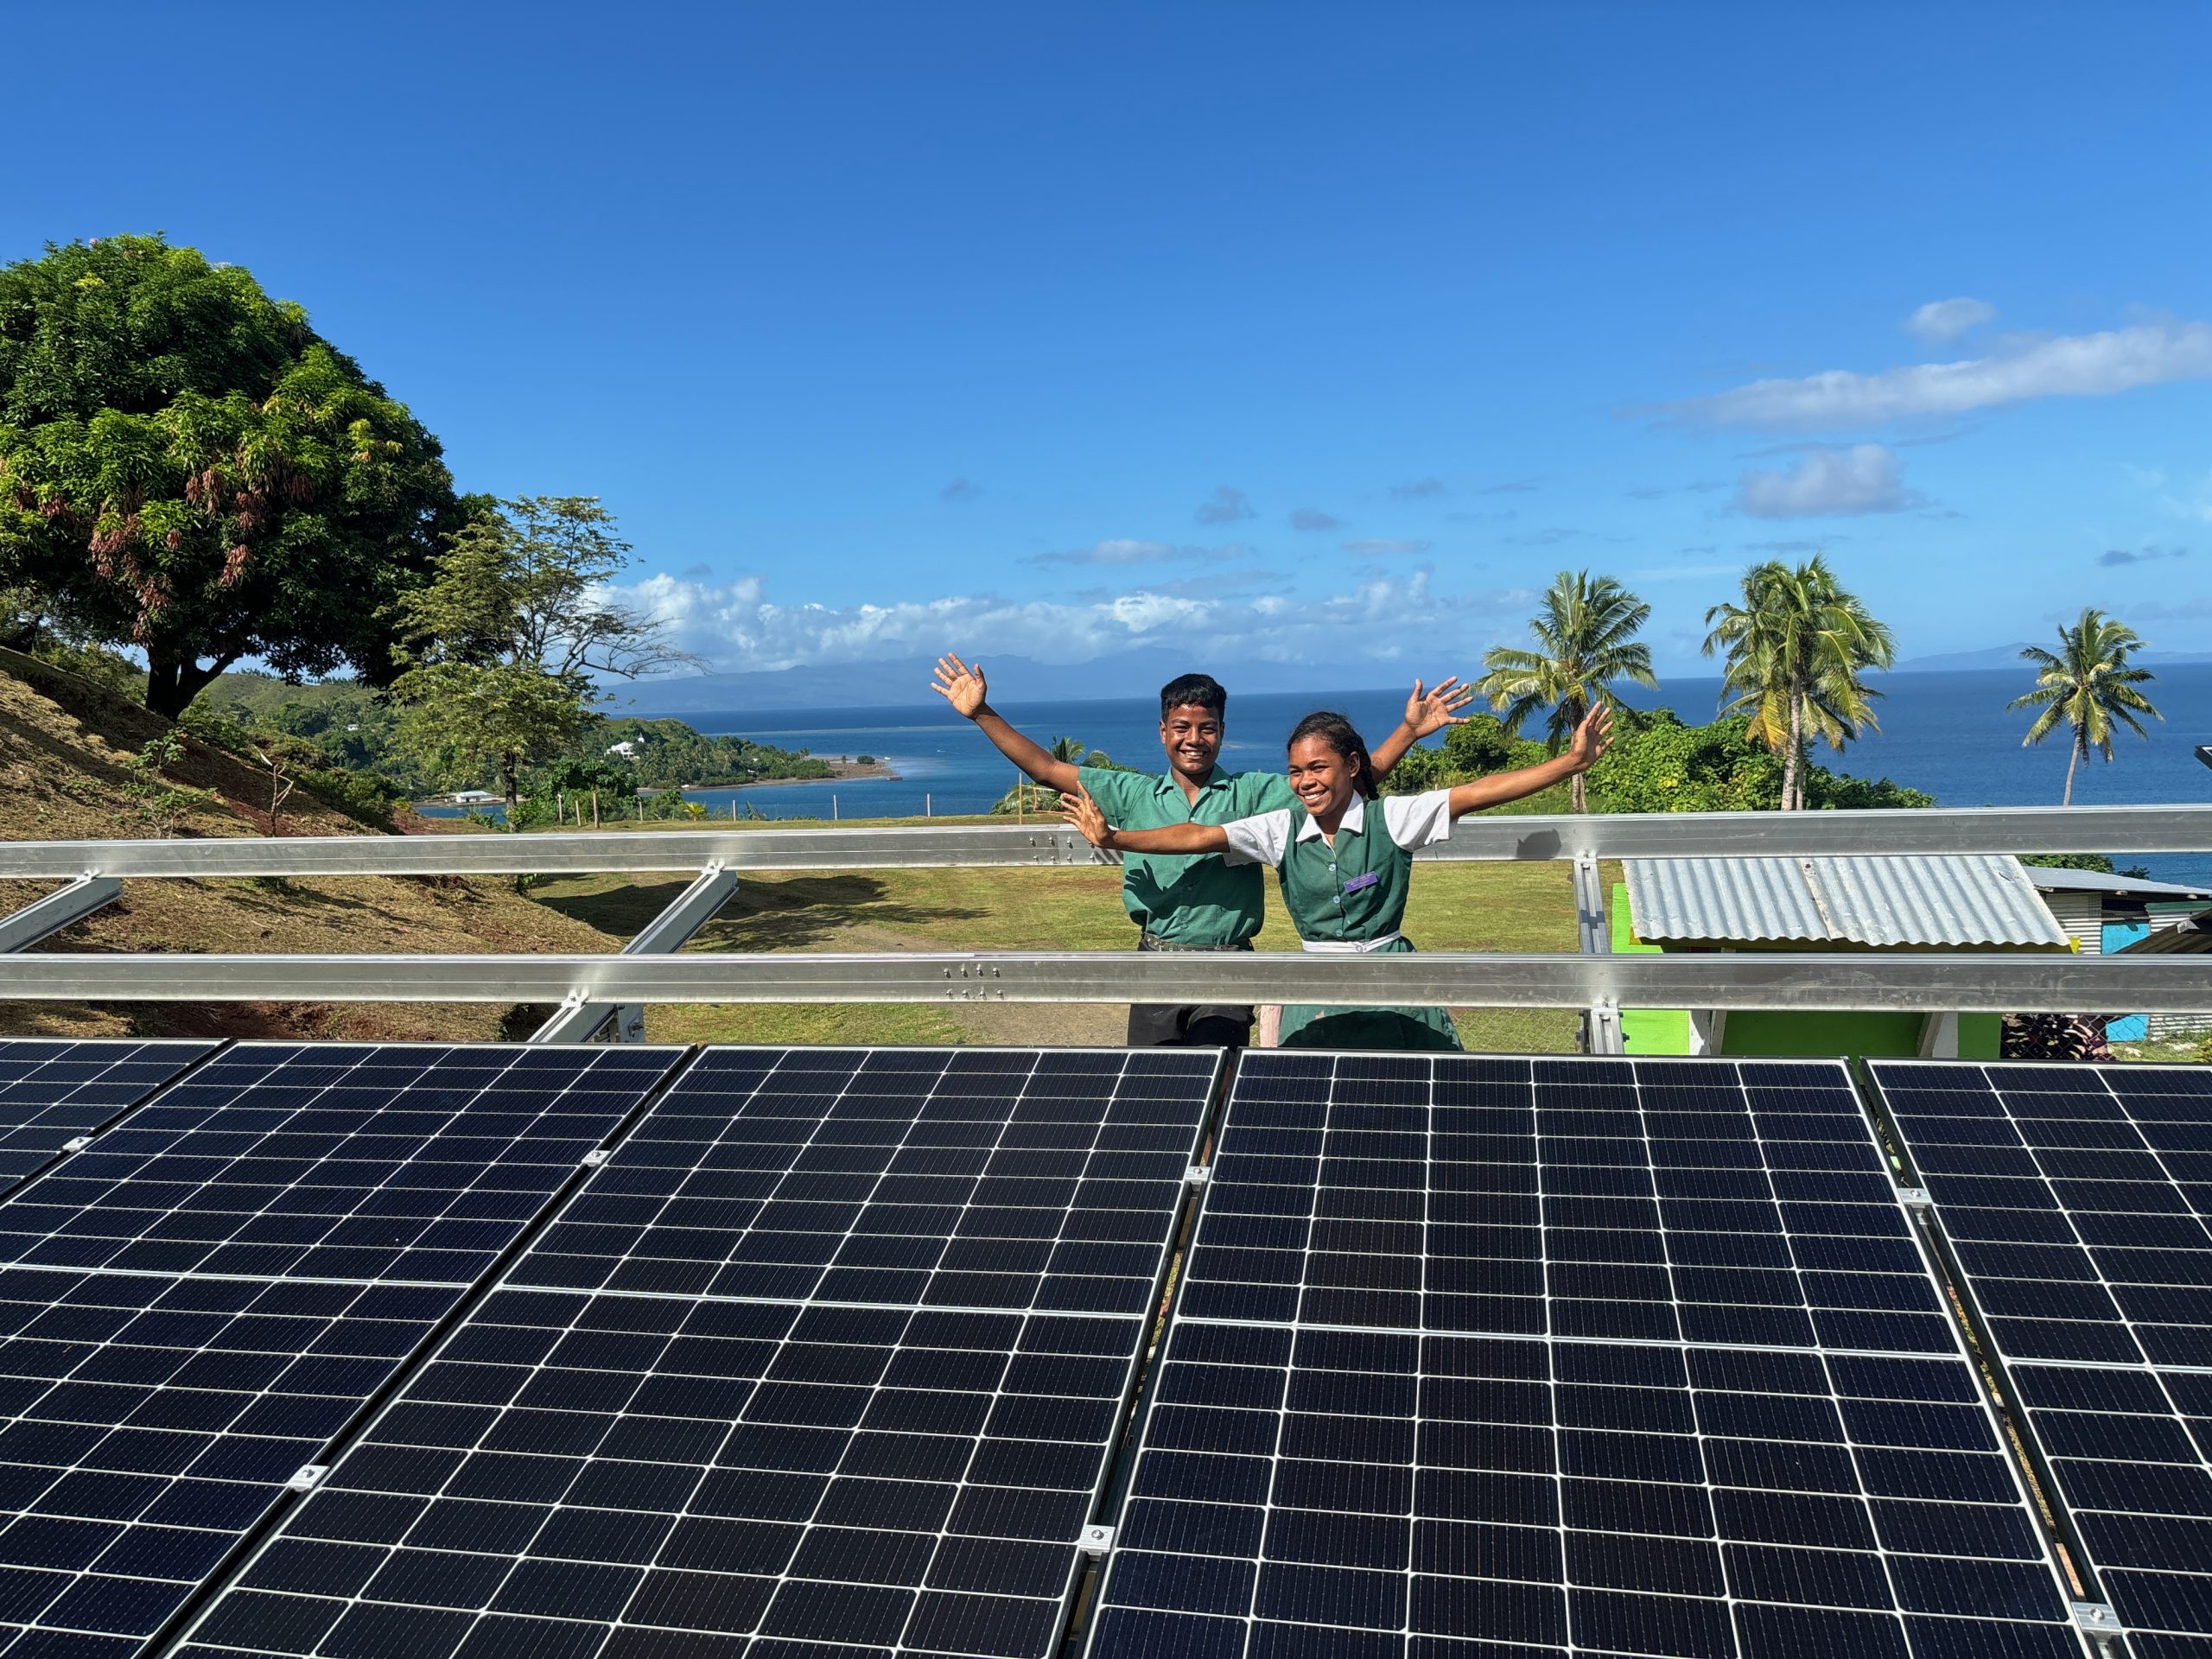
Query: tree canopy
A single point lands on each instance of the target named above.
(185, 466)
(500, 647)
(1585, 640)
(2087, 685)
(1795, 651)
(1656, 765)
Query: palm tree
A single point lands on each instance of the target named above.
(1584, 635)
(2087, 683)
(1795, 649)
(1068, 749)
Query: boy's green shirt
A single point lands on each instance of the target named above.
(1185, 898)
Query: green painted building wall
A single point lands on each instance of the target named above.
(1781, 1032)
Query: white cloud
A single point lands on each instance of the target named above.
(1376, 546)
(1944, 320)
(735, 627)
(1313, 518)
(1866, 478)
(2066, 366)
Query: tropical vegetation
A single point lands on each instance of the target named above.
(188, 468)
(502, 650)
(1584, 639)
(1795, 651)
(1026, 798)
(2088, 686)
(1657, 764)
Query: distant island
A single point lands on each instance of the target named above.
(2008, 656)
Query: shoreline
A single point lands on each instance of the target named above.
(843, 770)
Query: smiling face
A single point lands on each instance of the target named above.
(1192, 736)
(1322, 780)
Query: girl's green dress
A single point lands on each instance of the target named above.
(1351, 893)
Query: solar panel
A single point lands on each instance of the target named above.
(53, 1089)
(398, 1161)
(1485, 1358)
(2074, 1201)
(201, 1301)
(828, 1360)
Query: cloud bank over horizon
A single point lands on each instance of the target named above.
(735, 627)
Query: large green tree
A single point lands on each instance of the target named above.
(1797, 648)
(1584, 640)
(185, 466)
(502, 649)
(2088, 686)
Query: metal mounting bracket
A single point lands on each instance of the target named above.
(1197, 1175)
(1095, 1542)
(307, 1478)
(2097, 1617)
(1918, 1198)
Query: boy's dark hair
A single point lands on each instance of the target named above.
(1194, 691)
(1343, 737)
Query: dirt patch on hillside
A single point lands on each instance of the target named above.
(63, 743)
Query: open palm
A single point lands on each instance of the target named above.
(960, 686)
(1432, 711)
(1082, 814)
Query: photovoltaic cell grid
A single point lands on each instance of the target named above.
(53, 1090)
(826, 1363)
(1480, 1358)
(212, 1311)
(2075, 1200)
(397, 1162)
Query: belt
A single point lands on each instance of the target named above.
(1349, 947)
(1148, 940)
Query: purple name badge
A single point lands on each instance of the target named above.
(1358, 882)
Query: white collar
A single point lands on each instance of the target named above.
(1354, 819)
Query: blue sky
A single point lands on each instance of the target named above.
(1304, 334)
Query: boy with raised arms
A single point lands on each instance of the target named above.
(1181, 903)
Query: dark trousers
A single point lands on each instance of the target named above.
(1163, 1025)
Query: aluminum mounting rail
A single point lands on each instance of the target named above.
(1942, 982)
(580, 1019)
(49, 915)
(1640, 835)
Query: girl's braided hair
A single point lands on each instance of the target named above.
(1341, 735)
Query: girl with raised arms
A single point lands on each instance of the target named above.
(1344, 875)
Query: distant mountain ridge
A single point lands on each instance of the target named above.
(906, 681)
(1966, 662)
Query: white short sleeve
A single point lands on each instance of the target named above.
(1260, 840)
(1416, 820)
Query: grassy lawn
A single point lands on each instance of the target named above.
(1487, 906)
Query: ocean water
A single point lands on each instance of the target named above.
(1949, 734)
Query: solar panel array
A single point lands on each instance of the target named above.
(828, 1360)
(1472, 1358)
(194, 1306)
(2076, 1201)
(1483, 1357)
(53, 1089)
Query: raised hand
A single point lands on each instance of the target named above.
(960, 686)
(1591, 738)
(1082, 813)
(1432, 711)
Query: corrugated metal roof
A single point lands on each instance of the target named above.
(2190, 938)
(1969, 899)
(2133, 887)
